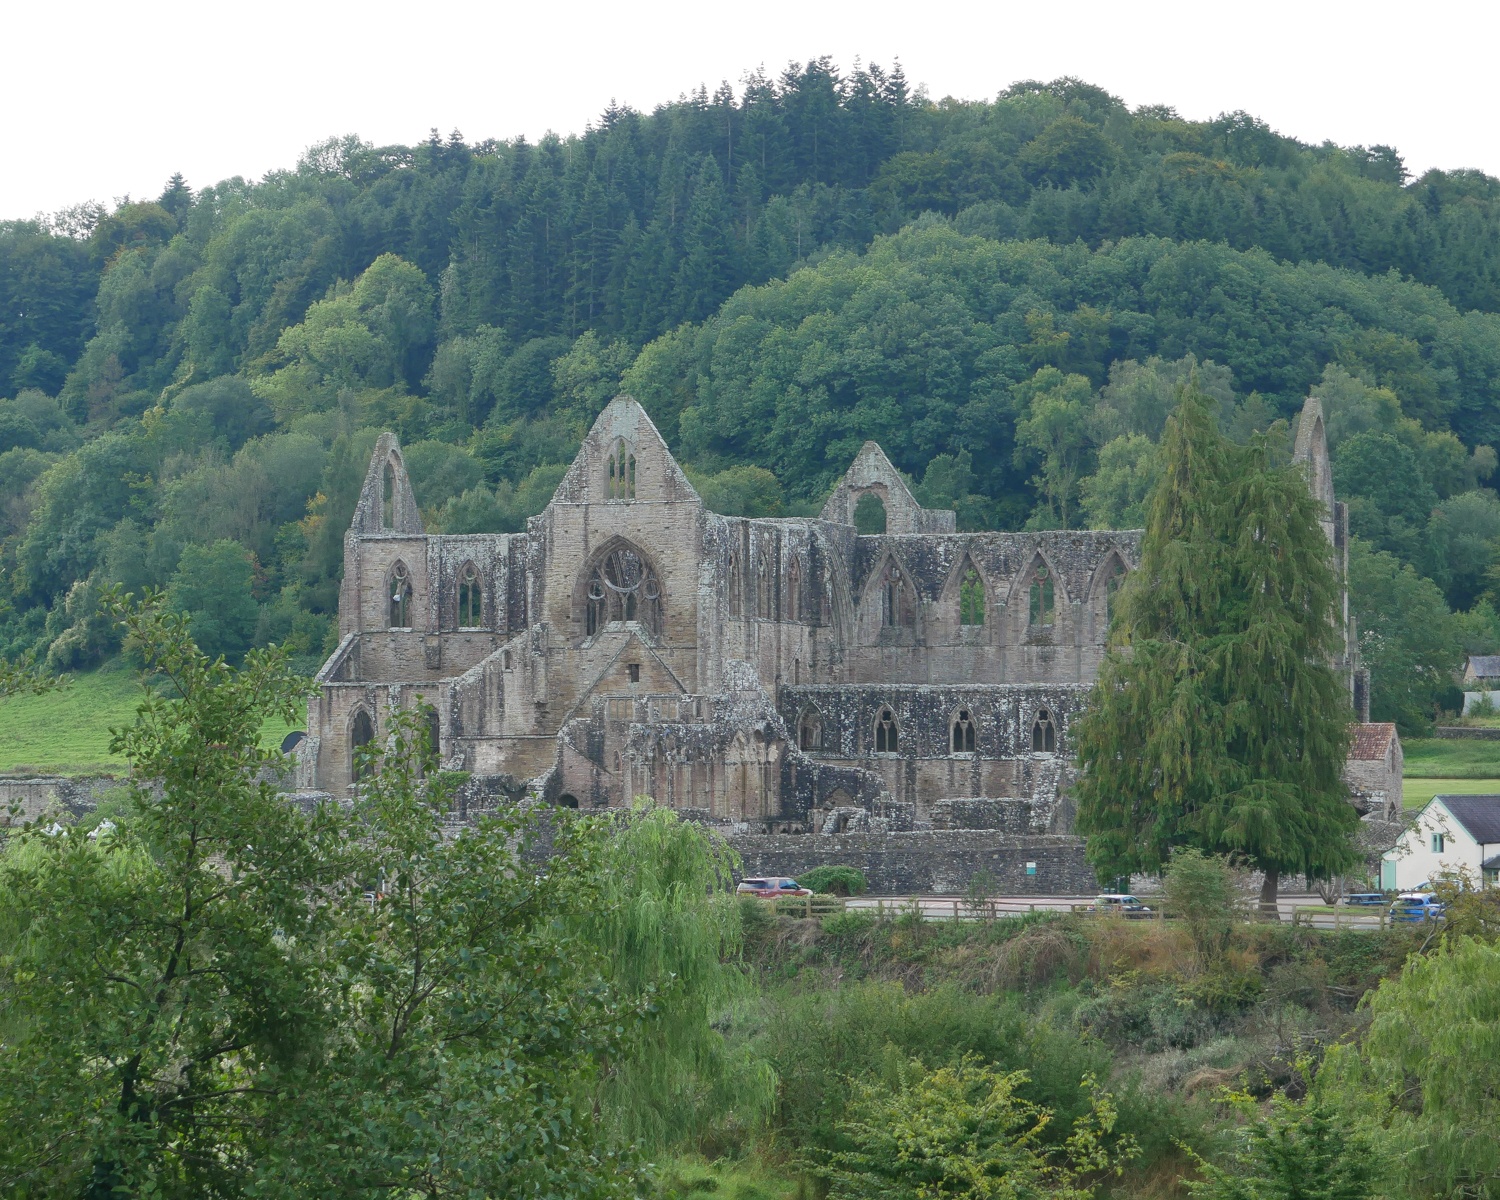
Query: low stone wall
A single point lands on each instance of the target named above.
(1467, 731)
(929, 862)
(27, 799)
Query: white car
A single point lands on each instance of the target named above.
(1119, 904)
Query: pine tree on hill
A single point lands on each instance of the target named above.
(1217, 720)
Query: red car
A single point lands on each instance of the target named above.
(768, 888)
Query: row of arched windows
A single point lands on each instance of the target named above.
(898, 600)
(469, 606)
(765, 590)
(963, 732)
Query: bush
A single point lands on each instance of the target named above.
(1203, 890)
(835, 881)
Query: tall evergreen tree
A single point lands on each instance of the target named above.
(1218, 720)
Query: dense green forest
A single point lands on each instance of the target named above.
(1006, 294)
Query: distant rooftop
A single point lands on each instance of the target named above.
(1484, 666)
(1372, 740)
(1479, 815)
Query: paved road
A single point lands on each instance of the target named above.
(948, 907)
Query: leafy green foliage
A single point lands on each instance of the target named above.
(1423, 1081)
(963, 1130)
(1217, 721)
(1299, 1150)
(224, 995)
(835, 881)
(667, 922)
(1406, 637)
(212, 585)
(1201, 890)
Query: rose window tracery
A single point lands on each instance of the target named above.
(623, 587)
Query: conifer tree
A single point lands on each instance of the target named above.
(1218, 720)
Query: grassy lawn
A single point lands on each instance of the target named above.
(1451, 758)
(67, 732)
(1417, 792)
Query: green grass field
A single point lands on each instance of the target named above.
(67, 732)
(1451, 758)
(1461, 765)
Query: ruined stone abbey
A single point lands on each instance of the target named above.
(773, 676)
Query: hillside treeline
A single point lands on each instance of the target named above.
(1006, 294)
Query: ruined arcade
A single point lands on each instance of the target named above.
(772, 675)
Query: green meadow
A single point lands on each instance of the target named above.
(67, 732)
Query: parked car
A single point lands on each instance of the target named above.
(1119, 904)
(1365, 899)
(770, 887)
(1412, 907)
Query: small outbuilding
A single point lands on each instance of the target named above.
(1481, 678)
(1451, 833)
(1373, 771)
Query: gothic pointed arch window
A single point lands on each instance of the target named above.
(1043, 733)
(1114, 577)
(622, 586)
(794, 591)
(765, 590)
(887, 732)
(388, 496)
(399, 590)
(963, 737)
(897, 605)
(361, 734)
(971, 596)
(1041, 596)
(736, 586)
(620, 473)
(470, 597)
(810, 729)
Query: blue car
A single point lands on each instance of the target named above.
(1415, 907)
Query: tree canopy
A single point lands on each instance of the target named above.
(1218, 721)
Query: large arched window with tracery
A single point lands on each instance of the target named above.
(1043, 733)
(620, 474)
(470, 598)
(887, 732)
(810, 730)
(622, 586)
(898, 606)
(400, 597)
(963, 737)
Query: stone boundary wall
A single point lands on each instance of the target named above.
(929, 862)
(64, 798)
(1467, 731)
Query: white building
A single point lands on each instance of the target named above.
(1450, 833)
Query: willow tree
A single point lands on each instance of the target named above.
(1218, 720)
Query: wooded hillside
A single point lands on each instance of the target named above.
(1006, 294)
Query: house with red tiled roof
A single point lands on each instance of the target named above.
(1373, 771)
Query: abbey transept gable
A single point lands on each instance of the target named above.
(541, 651)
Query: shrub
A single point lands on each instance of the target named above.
(1203, 890)
(835, 880)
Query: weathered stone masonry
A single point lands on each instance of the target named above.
(774, 677)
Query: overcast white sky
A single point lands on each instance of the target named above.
(98, 100)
